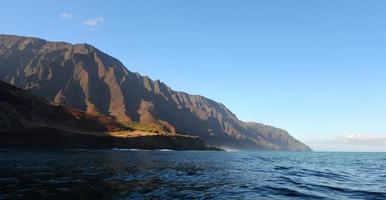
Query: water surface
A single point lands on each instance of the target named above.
(113, 174)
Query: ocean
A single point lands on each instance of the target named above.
(135, 174)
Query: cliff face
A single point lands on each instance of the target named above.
(82, 77)
(20, 111)
(27, 121)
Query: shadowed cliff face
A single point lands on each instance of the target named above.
(27, 121)
(82, 77)
(20, 111)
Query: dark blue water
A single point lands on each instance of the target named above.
(78, 174)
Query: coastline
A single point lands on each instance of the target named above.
(49, 138)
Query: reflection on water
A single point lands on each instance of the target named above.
(190, 174)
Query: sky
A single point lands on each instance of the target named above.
(314, 68)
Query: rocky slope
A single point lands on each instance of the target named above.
(27, 121)
(82, 77)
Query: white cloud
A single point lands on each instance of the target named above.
(362, 138)
(66, 15)
(351, 142)
(94, 21)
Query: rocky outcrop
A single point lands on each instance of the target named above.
(82, 77)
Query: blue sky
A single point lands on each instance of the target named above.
(314, 68)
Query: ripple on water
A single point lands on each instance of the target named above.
(189, 175)
(351, 193)
(286, 192)
(324, 174)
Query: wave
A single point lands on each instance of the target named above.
(118, 149)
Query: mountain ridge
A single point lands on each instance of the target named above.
(83, 77)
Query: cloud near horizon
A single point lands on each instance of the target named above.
(362, 139)
(93, 22)
(66, 15)
(352, 142)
